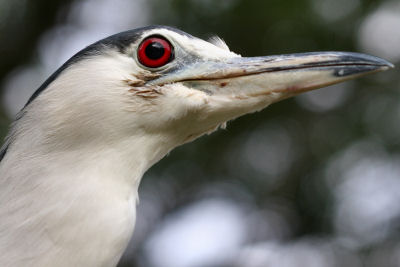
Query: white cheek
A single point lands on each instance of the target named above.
(184, 95)
(172, 107)
(177, 100)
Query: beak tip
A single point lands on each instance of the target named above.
(390, 65)
(381, 63)
(361, 64)
(384, 64)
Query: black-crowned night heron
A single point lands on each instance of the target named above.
(74, 157)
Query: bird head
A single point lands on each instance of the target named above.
(161, 81)
(77, 152)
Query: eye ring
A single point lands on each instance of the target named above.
(155, 52)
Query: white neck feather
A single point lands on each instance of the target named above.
(70, 200)
(72, 192)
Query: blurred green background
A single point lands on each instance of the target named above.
(310, 181)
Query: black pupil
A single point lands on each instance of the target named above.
(154, 50)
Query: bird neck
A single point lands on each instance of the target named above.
(73, 179)
(120, 161)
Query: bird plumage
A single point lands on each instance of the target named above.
(74, 157)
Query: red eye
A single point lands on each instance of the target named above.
(155, 52)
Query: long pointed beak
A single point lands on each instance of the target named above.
(289, 74)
